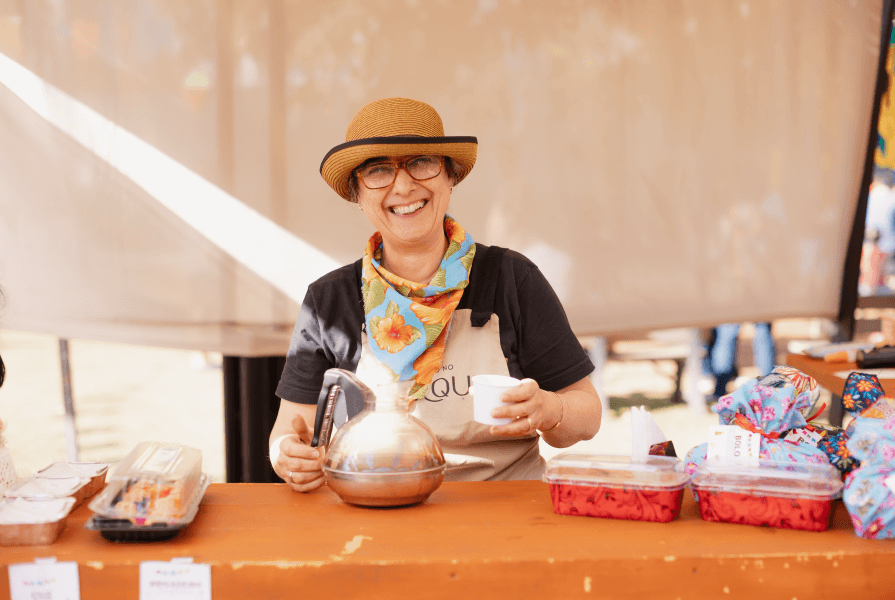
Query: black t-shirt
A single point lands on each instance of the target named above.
(535, 335)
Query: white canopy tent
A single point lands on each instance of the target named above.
(666, 164)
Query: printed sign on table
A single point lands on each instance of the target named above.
(180, 579)
(44, 579)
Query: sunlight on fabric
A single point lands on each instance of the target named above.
(273, 253)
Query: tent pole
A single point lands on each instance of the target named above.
(848, 300)
(70, 428)
(250, 410)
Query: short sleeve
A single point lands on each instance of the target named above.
(327, 335)
(306, 361)
(547, 349)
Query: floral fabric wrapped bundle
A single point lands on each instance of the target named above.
(771, 406)
(833, 443)
(861, 391)
(870, 489)
(864, 399)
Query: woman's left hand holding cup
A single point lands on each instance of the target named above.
(530, 407)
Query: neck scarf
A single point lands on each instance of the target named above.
(407, 322)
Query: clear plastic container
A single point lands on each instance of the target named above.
(154, 483)
(774, 494)
(123, 530)
(26, 522)
(616, 486)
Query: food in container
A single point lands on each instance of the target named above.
(35, 488)
(78, 480)
(648, 488)
(93, 472)
(155, 483)
(774, 494)
(27, 522)
(124, 530)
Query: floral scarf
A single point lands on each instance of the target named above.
(407, 322)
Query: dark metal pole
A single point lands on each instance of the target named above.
(848, 300)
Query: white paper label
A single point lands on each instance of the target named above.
(890, 483)
(800, 435)
(44, 581)
(732, 444)
(180, 580)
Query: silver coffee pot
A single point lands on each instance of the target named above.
(381, 455)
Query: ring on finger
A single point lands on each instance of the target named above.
(531, 425)
(290, 476)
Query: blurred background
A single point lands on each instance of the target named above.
(671, 167)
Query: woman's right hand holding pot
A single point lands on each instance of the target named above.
(297, 463)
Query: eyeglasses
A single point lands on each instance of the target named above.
(382, 174)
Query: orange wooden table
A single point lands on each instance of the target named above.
(490, 539)
(825, 374)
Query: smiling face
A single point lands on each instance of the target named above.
(408, 213)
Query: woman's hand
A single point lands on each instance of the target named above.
(531, 407)
(297, 463)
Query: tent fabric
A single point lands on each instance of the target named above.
(665, 164)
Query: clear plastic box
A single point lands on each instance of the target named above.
(616, 486)
(123, 530)
(154, 483)
(786, 495)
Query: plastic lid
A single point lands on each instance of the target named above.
(154, 481)
(579, 468)
(24, 511)
(61, 470)
(40, 488)
(159, 460)
(770, 478)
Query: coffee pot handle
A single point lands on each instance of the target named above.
(342, 396)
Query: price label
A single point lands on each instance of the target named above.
(800, 435)
(732, 444)
(180, 579)
(44, 579)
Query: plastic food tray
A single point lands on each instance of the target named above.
(36, 534)
(616, 487)
(154, 482)
(122, 530)
(94, 483)
(774, 494)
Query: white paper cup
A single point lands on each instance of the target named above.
(486, 392)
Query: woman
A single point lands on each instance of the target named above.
(427, 303)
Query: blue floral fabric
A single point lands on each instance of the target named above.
(833, 444)
(772, 410)
(861, 391)
(870, 502)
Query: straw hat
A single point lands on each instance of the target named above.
(394, 127)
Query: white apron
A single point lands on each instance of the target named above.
(472, 453)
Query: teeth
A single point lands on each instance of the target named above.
(406, 210)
